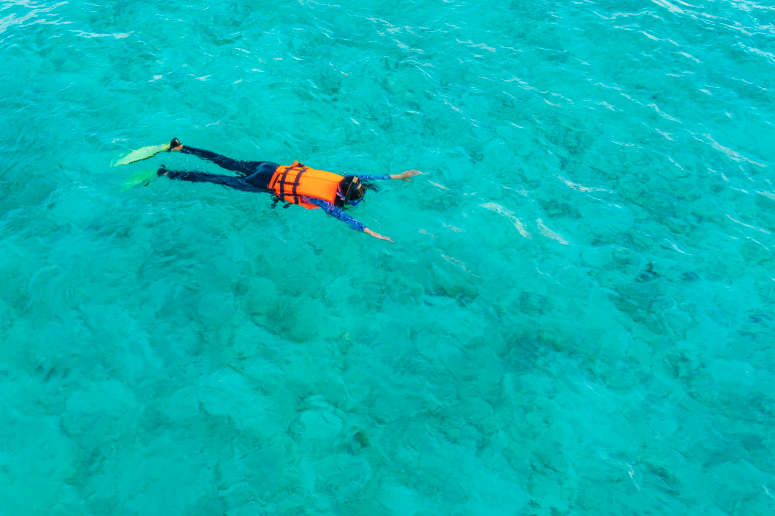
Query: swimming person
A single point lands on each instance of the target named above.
(293, 184)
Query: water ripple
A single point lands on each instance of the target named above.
(575, 317)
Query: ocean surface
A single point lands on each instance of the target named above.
(575, 318)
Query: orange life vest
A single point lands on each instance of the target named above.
(291, 182)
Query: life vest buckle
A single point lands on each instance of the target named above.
(276, 199)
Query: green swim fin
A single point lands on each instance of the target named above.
(140, 178)
(141, 154)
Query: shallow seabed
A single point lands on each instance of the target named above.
(576, 317)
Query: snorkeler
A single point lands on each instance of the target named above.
(292, 184)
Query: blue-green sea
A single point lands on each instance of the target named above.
(575, 317)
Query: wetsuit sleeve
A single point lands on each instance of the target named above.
(372, 178)
(336, 212)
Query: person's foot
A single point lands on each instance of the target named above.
(175, 145)
(162, 171)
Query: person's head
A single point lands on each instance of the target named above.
(351, 191)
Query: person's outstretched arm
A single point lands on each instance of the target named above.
(403, 175)
(344, 217)
(376, 235)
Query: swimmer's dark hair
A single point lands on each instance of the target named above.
(354, 192)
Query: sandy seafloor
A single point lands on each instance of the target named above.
(576, 317)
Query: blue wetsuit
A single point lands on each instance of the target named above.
(254, 176)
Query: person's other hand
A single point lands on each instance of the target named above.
(409, 173)
(377, 235)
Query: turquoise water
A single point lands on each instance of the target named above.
(576, 317)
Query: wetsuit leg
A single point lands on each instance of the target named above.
(201, 177)
(244, 168)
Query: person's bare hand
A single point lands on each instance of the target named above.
(409, 173)
(376, 235)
